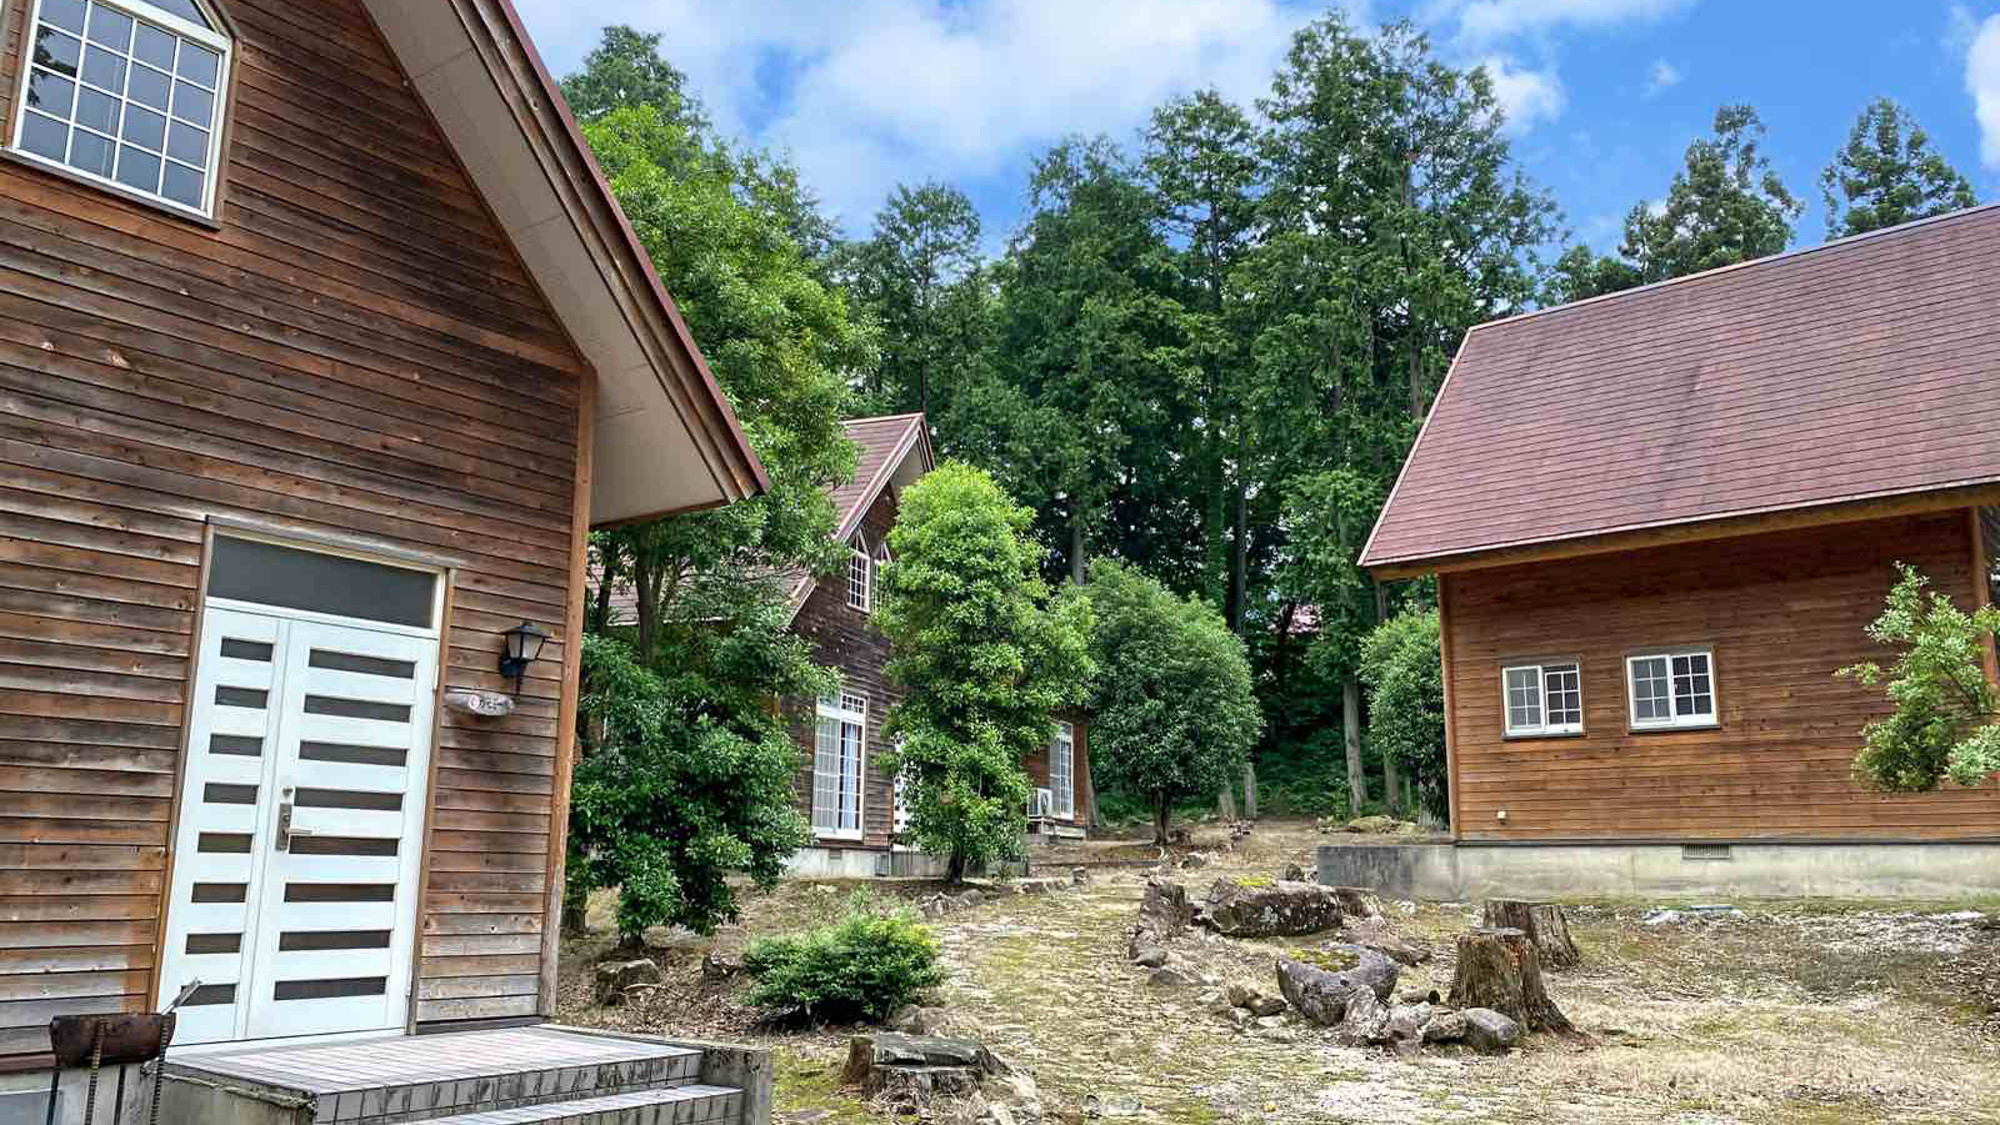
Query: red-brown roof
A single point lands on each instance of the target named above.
(1864, 368)
(885, 444)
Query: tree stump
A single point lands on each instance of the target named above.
(1544, 923)
(1499, 969)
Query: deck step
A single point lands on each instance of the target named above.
(681, 1105)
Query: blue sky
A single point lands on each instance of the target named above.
(1604, 94)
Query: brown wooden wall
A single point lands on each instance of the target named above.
(1037, 767)
(841, 637)
(356, 350)
(1782, 612)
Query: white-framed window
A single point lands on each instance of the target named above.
(860, 575)
(840, 753)
(127, 93)
(1543, 698)
(1674, 688)
(1062, 771)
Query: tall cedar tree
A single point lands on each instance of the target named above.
(987, 658)
(1887, 173)
(676, 702)
(1172, 714)
(921, 277)
(1393, 220)
(1726, 205)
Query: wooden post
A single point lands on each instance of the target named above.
(566, 707)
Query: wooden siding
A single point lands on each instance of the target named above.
(1781, 611)
(355, 351)
(1037, 766)
(842, 637)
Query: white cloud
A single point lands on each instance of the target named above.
(867, 93)
(1487, 21)
(1982, 81)
(1663, 76)
(1960, 29)
(1527, 96)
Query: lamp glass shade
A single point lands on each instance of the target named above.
(524, 642)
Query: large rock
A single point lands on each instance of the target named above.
(1377, 934)
(1322, 993)
(915, 1019)
(1445, 1027)
(614, 977)
(1366, 1020)
(1165, 909)
(1490, 1031)
(1277, 909)
(1243, 994)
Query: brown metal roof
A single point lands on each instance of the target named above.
(1865, 368)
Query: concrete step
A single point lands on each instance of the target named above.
(680, 1105)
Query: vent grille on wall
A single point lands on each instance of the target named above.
(1705, 852)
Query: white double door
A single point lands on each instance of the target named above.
(301, 817)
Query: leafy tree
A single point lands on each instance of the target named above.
(688, 776)
(1726, 205)
(1944, 722)
(1172, 712)
(986, 656)
(920, 275)
(1401, 664)
(1887, 173)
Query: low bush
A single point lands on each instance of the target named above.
(857, 970)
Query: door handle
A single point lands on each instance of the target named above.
(285, 829)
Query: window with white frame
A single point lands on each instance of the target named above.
(1672, 689)
(860, 575)
(1543, 698)
(129, 94)
(839, 755)
(1062, 771)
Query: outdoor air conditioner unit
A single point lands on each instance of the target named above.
(1043, 806)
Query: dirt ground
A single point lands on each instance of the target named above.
(1802, 1013)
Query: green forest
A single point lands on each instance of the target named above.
(1203, 354)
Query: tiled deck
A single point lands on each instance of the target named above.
(434, 1076)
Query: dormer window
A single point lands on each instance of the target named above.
(128, 95)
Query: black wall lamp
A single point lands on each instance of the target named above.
(524, 647)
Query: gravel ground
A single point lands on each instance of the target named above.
(1796, 1013)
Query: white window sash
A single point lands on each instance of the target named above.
(840, 758)
(167, 21)
(1062, 771)
(860, 578)
(1538, 681)
(1673, 696)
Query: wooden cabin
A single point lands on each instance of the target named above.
(322, 346)
(849, 799)
(1660, 521)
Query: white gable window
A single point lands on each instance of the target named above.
(1543, 699)
(1672, 689)
(860, 575)
(1062, 771)
(840, 749)
(127, 94)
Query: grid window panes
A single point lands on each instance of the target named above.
(126, 93)
(1672, 688)
(839, 754)
(1524, 699)
(1544, 699)
(1062, 770)
(858, 577)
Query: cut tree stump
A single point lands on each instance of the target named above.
(1544, 923)
(1499, 969)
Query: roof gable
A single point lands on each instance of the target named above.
(1847, 372)
(892, 449)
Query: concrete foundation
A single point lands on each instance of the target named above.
(868, 863)
(24, 1098)
(1758, 869)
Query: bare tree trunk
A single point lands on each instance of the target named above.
(1499, 969)
(1392, 784)
(1249, 789)
(646, 583)
(1350, 720)
(1239, 579)
(1545, 924)
(1076, 566)
(1225, 802)
(1162, 811)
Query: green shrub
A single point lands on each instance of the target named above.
(857, 970)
